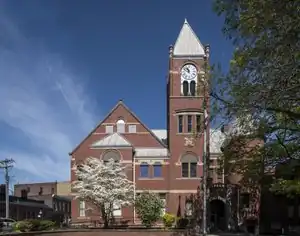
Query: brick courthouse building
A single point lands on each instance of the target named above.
(163, 161)
(168, 162)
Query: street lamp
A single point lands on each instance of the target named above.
(40, 215)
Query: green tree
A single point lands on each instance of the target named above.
(263, 83)
(149, 208)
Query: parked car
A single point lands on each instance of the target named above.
(6, 224)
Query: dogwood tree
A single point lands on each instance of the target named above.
(103, 185)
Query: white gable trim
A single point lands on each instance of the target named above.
(112, 140)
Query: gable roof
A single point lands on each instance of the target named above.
(112, 140)
(120, 103)
(187, 43)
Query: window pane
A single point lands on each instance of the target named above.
(157, 170)
(193, 88)
(198, 121)
(144, 170)
(109, 129)
(185, 88)
(180, 121)
(132, 129)
(190, 124)
(117, 210)
(185, 170)
(121, 126)
(193, 169)
(81, 208)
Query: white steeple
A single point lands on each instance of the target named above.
(187, 43)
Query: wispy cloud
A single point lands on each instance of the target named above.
(44, 101)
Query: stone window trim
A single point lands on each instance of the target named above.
(189, 122)
(132, 129)
(189, 156)
(111, 153)
(150, 169)
(189, 161)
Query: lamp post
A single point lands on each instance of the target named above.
(206, 139)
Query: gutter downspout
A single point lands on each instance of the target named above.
(134, 187)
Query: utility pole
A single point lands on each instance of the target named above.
(6, 165)
(206, 139)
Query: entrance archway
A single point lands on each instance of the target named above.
(218, 214)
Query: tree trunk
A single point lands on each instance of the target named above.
(105, 217)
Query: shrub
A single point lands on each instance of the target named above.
(149, 208)
(169, 220)
(182, 223)
(33, 225)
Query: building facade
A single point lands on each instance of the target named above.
(168, 162)
(22, 208)
(56, 195)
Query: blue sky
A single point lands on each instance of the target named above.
(65, 64)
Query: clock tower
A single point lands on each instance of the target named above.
(185, 95)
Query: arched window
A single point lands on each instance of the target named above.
(185, 88)
(120, 126)
(111, 155)
(189, 166)
(193, 88)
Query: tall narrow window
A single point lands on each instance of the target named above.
(185, 170)
(198, 123)
(189, 166)
(185, 88)
(117, 210)
(81, 208)
(190, 123)
(120, 126)
(162, 197)
(144, 170)
(157, 173)
(193, 88)
(193, 169)
(180, 123)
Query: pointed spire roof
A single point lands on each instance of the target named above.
(113, 140)
(187, 43)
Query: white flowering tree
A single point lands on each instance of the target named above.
(104, 185)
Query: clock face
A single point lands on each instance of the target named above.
(188, 72)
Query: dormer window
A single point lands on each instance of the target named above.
(120, 126)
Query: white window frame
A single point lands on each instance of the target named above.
(109, 129)
(132, 129)
(120, 126)
(117, 210)
(82, 208)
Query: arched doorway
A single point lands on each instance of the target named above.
(218, 214)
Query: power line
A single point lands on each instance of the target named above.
(6, 165)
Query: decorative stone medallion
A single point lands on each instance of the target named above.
(189, 141)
